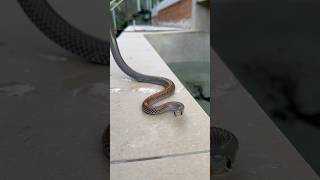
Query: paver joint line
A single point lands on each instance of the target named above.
(159, 157)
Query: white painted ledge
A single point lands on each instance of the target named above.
(136, 135)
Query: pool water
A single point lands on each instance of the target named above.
(195, 76)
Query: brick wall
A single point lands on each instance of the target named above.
(180, 11)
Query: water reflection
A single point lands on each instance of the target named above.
(195, 76)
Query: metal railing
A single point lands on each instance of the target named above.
(125, 12)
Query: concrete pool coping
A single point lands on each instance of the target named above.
(138, 137)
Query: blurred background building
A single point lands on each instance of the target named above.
(186, 14)
(173, 13)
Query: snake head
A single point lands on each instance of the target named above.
(178, 109)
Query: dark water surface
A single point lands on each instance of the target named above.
(195, 76)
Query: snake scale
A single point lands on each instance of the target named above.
(224, 144)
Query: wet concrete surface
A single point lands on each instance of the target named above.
(2, 44)
(264, 152)
(53, 104)
(272, 48)
(16, 89)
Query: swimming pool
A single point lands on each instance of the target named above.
(195, 76)
(188, 56)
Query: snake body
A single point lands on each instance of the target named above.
(224, 144)
(148, 104)
(50, 23)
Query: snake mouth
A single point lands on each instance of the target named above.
(178, 113)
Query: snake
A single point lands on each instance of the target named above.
(148, 104)
(223, 145)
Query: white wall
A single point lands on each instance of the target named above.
(200, 17)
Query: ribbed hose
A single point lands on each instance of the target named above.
(65, 35)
